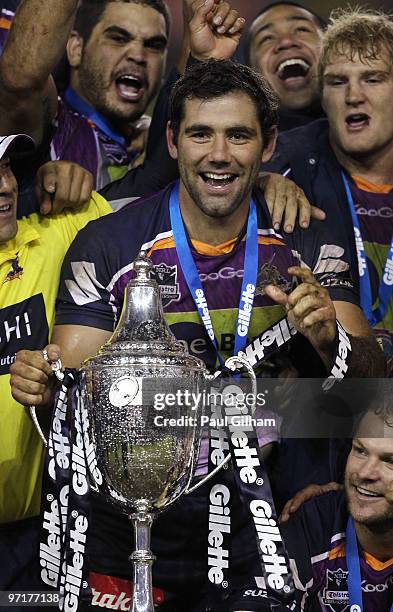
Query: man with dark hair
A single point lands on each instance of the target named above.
(222, 123)
(283, 44)
(117, 64)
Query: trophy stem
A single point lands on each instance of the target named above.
(142, 559)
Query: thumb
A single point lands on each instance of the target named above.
(276, 295)
(201, 9)
(53, 351)
(318, 213)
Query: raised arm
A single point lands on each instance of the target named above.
(36, 43)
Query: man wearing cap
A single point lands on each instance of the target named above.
(283, 44)
(31, 254)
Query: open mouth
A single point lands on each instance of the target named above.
(293, 68)
(357, 120)
(368, 493)
(216, 180)
(6, 208)
(130, 87)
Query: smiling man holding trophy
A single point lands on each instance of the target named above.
(227, 284)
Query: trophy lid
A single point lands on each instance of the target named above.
(142, 329)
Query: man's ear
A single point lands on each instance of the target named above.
(74, 49)
(170, 138)
(271, 145)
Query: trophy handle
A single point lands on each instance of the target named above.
(233, 363)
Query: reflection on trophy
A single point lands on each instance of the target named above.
(145, 467)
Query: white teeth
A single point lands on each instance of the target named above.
(366, 492)
(292, 62)
(128, 77)
(5, 208)
(217, 177)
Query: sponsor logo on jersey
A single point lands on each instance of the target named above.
(225, 273)
(15, 272)
(385, 212)
(166, 277)
(335, 593)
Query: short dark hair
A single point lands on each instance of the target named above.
(320, 22)
(90, 12)
(214, 79)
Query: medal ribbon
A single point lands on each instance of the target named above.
(374, 316)
(353, 564)
(83, 108)
(193, 281)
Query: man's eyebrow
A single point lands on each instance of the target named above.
(197, 127)
(114, 29)
(365, 73)
(291, 18)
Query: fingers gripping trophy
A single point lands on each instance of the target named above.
(145, 467)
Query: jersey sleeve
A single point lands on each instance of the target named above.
(325, 250)
(85, 296)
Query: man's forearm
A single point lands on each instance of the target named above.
(36, 43)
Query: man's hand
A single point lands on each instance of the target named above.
(214, 29)
(62, 184)
(32, 379)
(311, 310)
(286, 202)
(303, 496)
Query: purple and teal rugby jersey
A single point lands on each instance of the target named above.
(374, 208)
(315, 539)
(100, 263)
(77, 139)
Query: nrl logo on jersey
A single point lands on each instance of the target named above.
(335, 594)
(166, 277)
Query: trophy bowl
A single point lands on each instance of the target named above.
(145, 467)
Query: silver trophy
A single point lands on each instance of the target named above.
(145, 467)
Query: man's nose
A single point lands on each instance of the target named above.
(354, 93)
(219, 151)
(369, 470)
(136, 52)
(286, 41)
(7, 183)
